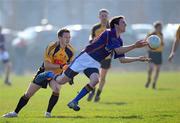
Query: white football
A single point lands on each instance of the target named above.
(154, 41)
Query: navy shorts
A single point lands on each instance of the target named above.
(106, 63)
(45, 82)
(156, 57)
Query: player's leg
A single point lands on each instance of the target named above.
(63, 78)
(150, 70)
(48, 75)
(5, 59)
(7, 72)
(156, 75)
(105, 65)
(32, 89)
(103, 73)
(93, 75)
(54, 97)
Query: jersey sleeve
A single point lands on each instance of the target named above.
(118, 43)
(118, 55)
(48, 55)
(71, 56)
(93, 33)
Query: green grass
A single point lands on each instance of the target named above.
(124, 100)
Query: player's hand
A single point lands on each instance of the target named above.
(65, 67)
(141, 43)
(144, 59)
(171, 57)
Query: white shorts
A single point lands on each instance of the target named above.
(4, 56)
(83, 62)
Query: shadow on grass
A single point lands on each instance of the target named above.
(103, 117)
(164, 115)
(121, 117)
(80, 117)
(164, 89)
(114, 103)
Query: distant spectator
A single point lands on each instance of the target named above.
(4, 57)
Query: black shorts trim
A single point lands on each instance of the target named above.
(90, 71)
(106, 63)
(70, 73)
(44, 83)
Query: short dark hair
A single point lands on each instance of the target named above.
(62, 31)
(157, 23)
(115, 20)
(103, 10)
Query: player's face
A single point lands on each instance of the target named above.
(66, 38)
(159, 28)
(103, 16)
(122, 25)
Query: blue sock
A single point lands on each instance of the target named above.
(81, 94)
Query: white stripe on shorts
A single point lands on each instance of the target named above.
(83, 62)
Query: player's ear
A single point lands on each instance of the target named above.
(59, 37)
(115, 25)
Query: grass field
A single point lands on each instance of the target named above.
(124, 100)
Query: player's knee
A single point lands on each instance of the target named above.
(95, 79)
(62, 79)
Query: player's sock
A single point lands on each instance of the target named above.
(97, 97)
(98, 93)
(91, 95)
(52, 101)
(82, 93)
(22, 102)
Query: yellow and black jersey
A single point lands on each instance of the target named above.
(57, 55)
(160, 35)
(178, 34)
(98, 29)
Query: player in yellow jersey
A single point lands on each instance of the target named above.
(105, 64)
(155, 55)
(56, 56)
(175, 44)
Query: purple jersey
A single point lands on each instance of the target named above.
(105, 45)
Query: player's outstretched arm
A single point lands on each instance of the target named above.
(134, 59)
(174, 47)
(125, 49)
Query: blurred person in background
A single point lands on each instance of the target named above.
(155, 55)
(4, 57)
(56, 56)
(175, 44)
(106, 63)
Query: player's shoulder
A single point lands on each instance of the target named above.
(152, 33)
(70, 47)
(51, 45)
(96, 26)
